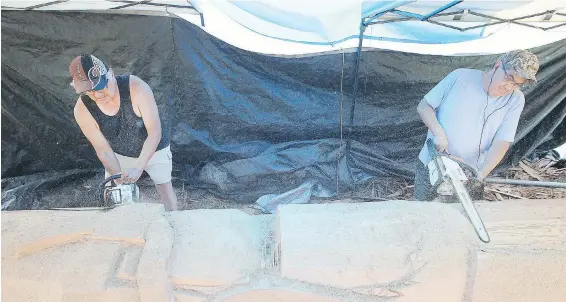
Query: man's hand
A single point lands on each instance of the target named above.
(441, 143)
(131, 175)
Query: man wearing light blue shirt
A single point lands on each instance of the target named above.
(472, 115)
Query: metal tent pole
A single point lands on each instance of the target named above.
(356, 75)
(531, 183)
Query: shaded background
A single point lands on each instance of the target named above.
(243, 124)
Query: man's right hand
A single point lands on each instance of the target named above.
(441, 143)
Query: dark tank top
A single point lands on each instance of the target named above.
(125, 131)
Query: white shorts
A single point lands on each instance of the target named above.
(158, 167)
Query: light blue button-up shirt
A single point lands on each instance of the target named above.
(461, 109)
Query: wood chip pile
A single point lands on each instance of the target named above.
(540, 170)
(544, 169)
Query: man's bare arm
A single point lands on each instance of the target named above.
(428, 115)
(90, 129)
(143, 99)
(494, 156)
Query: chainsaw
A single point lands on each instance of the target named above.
(117, 194)
(447, 179)
(111, 196)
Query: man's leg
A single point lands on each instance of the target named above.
(159, 169)
(422, 189)
(168, 196)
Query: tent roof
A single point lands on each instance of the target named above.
(123, 6)
(293, 26)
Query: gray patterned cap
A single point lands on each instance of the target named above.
(523, 63)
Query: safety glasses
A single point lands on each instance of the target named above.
(510, 80)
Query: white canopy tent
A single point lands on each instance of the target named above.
(290, 27)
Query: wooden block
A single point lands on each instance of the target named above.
(520, 277)
(20, 289)
(186, 298)
(109, 295)
(278, 295)
(128, 265)
(411, 249)
(152, 275)
(216, 249)
(526, 224)
(134, 241)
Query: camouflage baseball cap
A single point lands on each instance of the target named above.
(523, 63)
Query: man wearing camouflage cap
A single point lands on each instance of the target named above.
(472, 115)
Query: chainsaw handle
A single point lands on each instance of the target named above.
(111, 178)
(102, 185)
(432, 149)
(434, 153)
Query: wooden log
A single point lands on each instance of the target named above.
(526, 223)
(416, 250)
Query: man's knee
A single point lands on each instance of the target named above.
(160, 166)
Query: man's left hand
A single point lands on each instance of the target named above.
(132, 175)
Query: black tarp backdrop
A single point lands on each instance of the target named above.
(243, 124)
